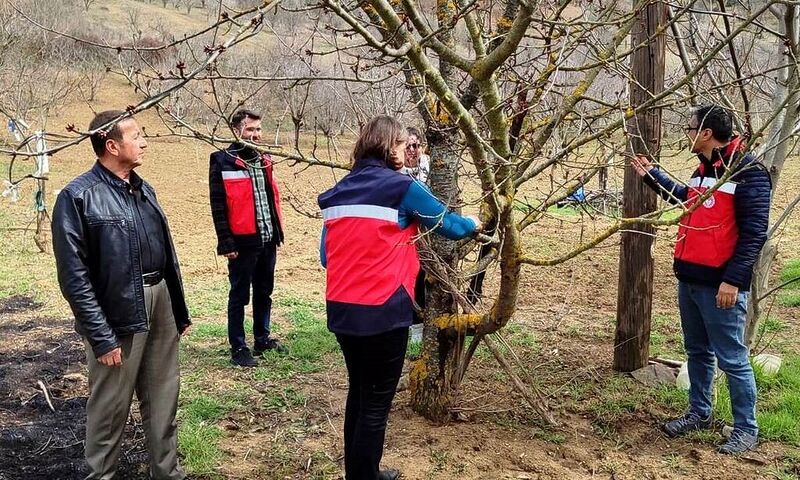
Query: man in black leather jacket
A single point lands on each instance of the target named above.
(118, 270)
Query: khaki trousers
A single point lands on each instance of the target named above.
(150, 367)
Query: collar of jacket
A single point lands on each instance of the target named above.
(369, 162)
(134, 180)
(244, 152)
(724, 156)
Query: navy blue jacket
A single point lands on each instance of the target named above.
(750, 187)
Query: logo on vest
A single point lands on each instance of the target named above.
(710, 202)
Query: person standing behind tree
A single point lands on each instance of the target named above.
(417, 165)
(370, 221)
(118, 270)
(246, 209)
(718, 244)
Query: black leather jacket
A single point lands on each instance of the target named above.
(97, 258)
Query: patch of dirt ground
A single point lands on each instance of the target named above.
(41, 434)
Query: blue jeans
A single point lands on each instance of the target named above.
(256, 267)
(709, 331)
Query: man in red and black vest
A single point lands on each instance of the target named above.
(245, 206)
(718, 244)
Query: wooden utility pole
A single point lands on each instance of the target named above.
(635, 293)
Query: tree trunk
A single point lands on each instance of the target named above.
(774, 151)
(431, 380)
(634, 301)
(758, 287)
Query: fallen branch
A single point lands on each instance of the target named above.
(666, 361)
(532, 396)
(46, 395)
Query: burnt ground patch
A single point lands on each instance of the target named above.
(18, 303)
(37, 442)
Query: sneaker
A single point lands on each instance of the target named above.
(389, 474)
(272, 344)
(685, 424)
(739, 442)
(243, 358)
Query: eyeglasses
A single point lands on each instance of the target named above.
(412, 146)
(689, 129)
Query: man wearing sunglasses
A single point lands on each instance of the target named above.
(717, 246)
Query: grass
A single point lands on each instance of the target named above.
(788, 467)
(442, 462)
(618, 396)
(665, 336)
(310, 343)
(790, 271)
(199, 446)
(203, 405)
(19, 254)
(778, 404)
(199, 434)
(772, 325)
(207, 298)
(321, 467)
(672, 397)
(284, 399)
(522, 336)
(789, 298)
(519, 337)
(790, 295)
(551, 436)
(204, 330)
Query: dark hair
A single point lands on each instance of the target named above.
(377, 139)
(414, 131)
(113, 132)
(716, 118)
(240, 115)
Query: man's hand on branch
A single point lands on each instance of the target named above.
(641, 164)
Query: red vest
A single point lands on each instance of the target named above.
(241, 198)
(708, 235)
(369, 256)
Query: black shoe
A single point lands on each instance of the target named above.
(687, 423)
(739, 442)
(272, 344)
(389, 474)
(243, 358)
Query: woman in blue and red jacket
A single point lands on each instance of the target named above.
(371, 220)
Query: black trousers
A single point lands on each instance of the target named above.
(254, 267)
(374, 364)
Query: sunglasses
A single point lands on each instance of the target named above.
(412, 146)
(690, 129)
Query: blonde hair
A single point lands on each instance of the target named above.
(377, 140)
